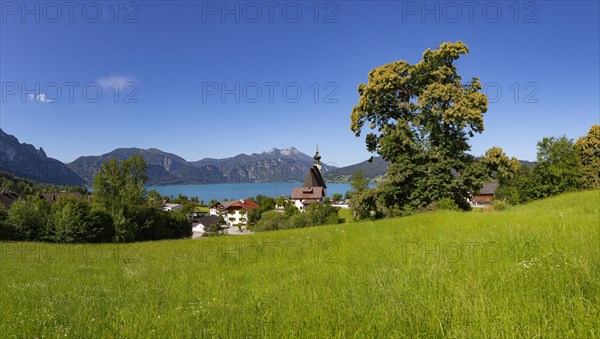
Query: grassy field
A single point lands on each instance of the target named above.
(528, 271)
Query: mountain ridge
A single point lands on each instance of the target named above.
(287, 164)
(25, 161)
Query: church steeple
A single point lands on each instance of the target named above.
(317, 158)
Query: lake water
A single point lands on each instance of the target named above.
(240, 191)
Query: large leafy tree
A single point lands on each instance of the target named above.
(421, 117)
(121, 183)
(75, 221)
(588, 151)
(119, 188)
(558, 169)
(500, 165)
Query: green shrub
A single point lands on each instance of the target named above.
(499, 205)
(74, 221)
(446, 204)
(28, 219)
(299, 220)
(271, 221)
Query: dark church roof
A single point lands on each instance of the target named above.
(314, 178)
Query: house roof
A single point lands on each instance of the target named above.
(206, 220)
(222, 205)
(247, 204)
(489, 188)
(314, 178)
(304, 193)
(7, 198)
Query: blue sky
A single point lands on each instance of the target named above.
(215, 79)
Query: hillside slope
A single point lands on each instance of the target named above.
(371, 170)
(532, 270)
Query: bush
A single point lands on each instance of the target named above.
(213, 230)
(500, 205)
(74, 221)
(28, 219)
(179, 223)
(150, 223)
(299, 220)
(271, 221)
(446, 204)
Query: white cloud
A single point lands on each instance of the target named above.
(40, 98)
(121, 81)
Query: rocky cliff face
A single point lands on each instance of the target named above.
(25, 161)
(276, 165)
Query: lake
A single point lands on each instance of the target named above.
(240, 191)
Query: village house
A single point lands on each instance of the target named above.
(314, 189)
(201, 224)
(485, 194)
(219, 208)
(234, 212)
(7, 198)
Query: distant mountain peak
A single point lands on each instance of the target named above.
(42, 154)
(284, 151)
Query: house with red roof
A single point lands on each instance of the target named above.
(235, 213)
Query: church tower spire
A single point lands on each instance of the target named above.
(317, 158)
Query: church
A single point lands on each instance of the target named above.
(314, 189)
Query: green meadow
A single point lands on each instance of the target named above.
(528, 271)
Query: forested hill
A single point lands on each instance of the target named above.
(371, 170)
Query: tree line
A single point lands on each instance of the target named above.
(118, 210)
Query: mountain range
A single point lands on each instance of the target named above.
(275, 165)
(164, 168)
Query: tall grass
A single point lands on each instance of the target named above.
(528, 271)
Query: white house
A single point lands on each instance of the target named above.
(234, 212)
(201, 224)
(219, 208)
